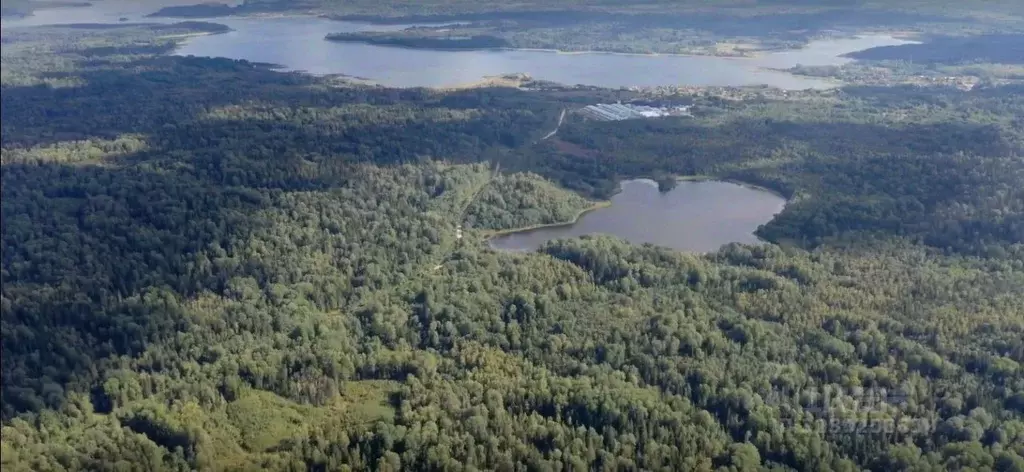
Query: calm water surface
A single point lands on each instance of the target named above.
(695, 217)
(101, 11)
(298, 43)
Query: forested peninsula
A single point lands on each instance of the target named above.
(209, 264)
(422, 42)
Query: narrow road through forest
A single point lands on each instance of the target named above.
(561, 118)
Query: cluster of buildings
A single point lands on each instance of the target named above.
(618, 112)
(966, 83)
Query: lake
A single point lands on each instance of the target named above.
(298, 44)
(696, 216)
(103, 11)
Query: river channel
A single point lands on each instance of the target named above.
(297, 43)
(696, 216)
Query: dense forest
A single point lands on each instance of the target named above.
(930, 157)
(993, 48)
(211, 265)
(521, 200)
(201, 10)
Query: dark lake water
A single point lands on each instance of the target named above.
(695, 217)
(298, 43)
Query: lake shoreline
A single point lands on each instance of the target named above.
(708, 178)
(746, 54)
(754, 54)
(751, 54)
(566, 52)
(389, 65)
(184, 36)
(490, 235)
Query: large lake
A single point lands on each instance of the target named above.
(298, 43)
(695, 216)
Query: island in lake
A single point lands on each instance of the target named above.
(422, 38)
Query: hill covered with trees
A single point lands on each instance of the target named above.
(210, 265)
